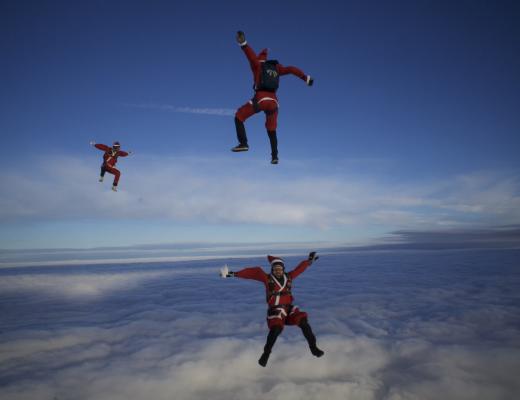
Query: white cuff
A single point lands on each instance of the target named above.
(242, 44)
(308, 79)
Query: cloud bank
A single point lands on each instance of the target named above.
(205, 191)
(397, 326)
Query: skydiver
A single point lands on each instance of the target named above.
(110, 160)
(266, 75)
(281, 310)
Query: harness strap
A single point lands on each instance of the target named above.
(281, 311)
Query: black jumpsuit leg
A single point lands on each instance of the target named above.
(311, 339)
(271, 339)
(241, 132)
(274, 144)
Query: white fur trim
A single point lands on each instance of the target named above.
(276, 260)
(277, 105)
(242, 44)
(308, 79)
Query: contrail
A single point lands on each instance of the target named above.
(226, 112)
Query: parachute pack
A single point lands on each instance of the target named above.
(269, 78)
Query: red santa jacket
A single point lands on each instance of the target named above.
(276, 293)
(255, 63)
(110, 156)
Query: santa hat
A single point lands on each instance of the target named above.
(275, 261)
(262, 56)
(116, 144)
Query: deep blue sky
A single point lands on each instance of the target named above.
(406, 93)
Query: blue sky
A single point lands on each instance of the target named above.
(412, 122)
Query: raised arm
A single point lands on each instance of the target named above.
(248, 51)
(303, 265)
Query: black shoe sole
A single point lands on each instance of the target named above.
(234, 150)
(262, 361)
(318, 353)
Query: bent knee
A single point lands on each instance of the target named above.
(278, 328)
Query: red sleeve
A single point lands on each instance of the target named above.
(100, 146)
(291, 70)
(299, 269)
(255, 273)
(122, 153)
(251, 56)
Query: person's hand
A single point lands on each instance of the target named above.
(225, 272)
(92, 143)
(241, 37)
(310, 81)
(130, 152)
(312, 257)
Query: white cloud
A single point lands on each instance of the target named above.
(87, 285)
(220, 191)
(148, 332)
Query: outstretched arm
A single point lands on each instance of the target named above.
(255, 273)
(121, 153)
(296, 72)
(100, 146)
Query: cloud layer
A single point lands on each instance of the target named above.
(204, 191)
(393, 325)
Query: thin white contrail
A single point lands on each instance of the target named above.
(189, 110)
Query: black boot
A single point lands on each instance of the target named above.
(311, 339)
(241, 136)
(274, 146)
(263, 359)
(271, 338)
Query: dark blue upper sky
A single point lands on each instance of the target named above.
(431, 88)
(421, 80)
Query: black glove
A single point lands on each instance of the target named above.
(313, 257)
(241, 37)
(310, 82)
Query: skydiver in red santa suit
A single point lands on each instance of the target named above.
(281, 311)
(266, 75)
(110, 160)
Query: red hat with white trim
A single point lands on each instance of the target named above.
(275, 261)
(116, 144)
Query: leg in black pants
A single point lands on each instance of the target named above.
(102, 174)
(274, 146)
(311, 339)
(241, 132)
(271, 338)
